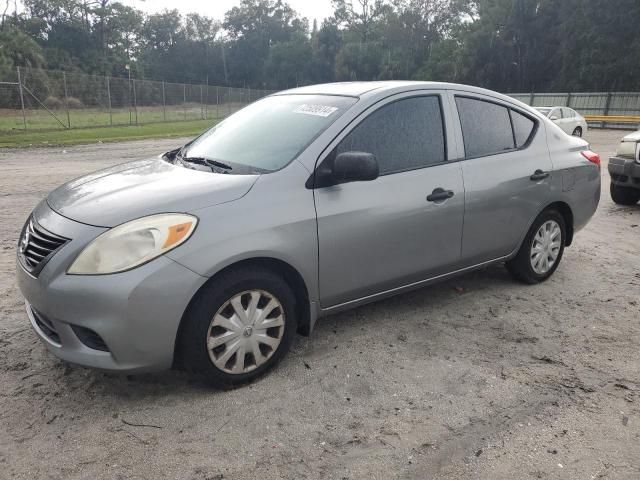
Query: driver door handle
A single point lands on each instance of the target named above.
(440, 195)
(539, 175)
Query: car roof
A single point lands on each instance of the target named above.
(351, 89)
(357, 89)
(379, 89)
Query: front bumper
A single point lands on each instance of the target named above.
(624, 172)
(134, 315)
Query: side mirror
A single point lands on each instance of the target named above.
(355, 167)
(344, 168)
(553, 118)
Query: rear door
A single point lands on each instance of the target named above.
(383, 234)
(507, 171)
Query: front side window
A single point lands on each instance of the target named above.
(268, 134)
(486, 127)
(544, 111)
(404, 135)
(568, 113)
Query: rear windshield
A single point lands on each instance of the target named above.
(271, 132)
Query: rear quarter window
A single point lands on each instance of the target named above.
(523, 128)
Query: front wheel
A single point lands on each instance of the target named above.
(542, 249)
(624, 195)
(577, 132)
(238, 327)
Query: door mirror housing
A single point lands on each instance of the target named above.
(553, 118)
(345, 168)
(355, 167)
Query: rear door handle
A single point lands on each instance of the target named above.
(539, 175)
(440, 195)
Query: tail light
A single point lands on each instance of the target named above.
(591, 156)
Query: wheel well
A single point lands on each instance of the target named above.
(290, 275)
(567, 214)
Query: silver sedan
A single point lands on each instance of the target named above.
(305, 203)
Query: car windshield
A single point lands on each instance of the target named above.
(545, 111)
(268, 134)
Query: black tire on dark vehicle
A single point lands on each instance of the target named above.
(624, 195)
(521, 266)
(193, 350)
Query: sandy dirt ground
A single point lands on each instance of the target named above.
(479, 377)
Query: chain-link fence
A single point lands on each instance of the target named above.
(35, 99)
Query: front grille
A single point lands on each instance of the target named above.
(37, 246)
(90, 338)
(46, 326)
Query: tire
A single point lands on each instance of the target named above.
(624, 195)
(201, 324)
(577, 132)
(521, 266)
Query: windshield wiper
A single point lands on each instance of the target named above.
(209, 162)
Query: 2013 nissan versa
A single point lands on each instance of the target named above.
(305, 203)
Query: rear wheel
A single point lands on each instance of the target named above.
(542, 249)
(624, 195)
(239, 326)
(577, 132)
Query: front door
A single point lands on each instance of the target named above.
(402, 227)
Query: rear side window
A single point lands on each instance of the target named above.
(522, 128)
(403, 135)
(486, 127)
(489, 128)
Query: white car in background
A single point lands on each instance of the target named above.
(567, 119)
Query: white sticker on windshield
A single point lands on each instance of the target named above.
(318, 110)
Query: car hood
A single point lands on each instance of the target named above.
(632, 137)
(132, 190)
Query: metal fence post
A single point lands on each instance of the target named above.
(531, 99)
(184, 99)
(206, 101)
(66, 98)
(568, 103)
(217, 104)
(130, 102)
(608, 104)
(164, 104)
(135, 100)
(109, 99)
(229, 100)
(202, 117)
(24, 115)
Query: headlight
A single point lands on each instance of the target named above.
(133, 243)
(626, 149)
